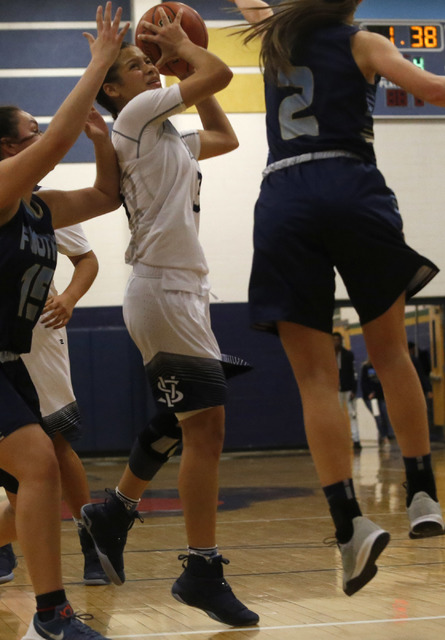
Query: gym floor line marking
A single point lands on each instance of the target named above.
(277, 628)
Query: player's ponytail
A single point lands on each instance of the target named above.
(285, 34)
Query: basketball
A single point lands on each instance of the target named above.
(191, 22)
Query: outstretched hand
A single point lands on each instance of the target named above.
(105, 47)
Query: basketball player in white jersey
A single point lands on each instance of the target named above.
(166, 305)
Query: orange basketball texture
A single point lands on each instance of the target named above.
(191, 22)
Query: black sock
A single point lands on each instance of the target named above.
(47, 603)
(419, 477)
(344, 507)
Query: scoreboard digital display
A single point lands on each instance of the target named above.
(423, 44)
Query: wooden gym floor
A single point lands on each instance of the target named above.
(273, 523)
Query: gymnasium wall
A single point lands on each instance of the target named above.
(43, 54)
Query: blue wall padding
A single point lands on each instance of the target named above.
(55, 10)
(108, 377)
(264, 408)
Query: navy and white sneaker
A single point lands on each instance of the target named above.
(108, 524)
(202, 585)
(66, 625)
(93, 574)
(8, 563)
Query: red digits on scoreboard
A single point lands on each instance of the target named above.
(396, 98)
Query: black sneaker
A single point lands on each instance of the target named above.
(93, 574)
(108, 524)
(202, 585)
(8, 562)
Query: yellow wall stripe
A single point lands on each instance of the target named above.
(228, 45)
(245, 94)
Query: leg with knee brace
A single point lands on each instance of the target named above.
(154, 446)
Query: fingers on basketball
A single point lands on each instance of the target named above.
(191, 22)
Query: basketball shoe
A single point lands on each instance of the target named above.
(425, 516)
(360, 553)
(8, 563)
(108, 524)
(66, 625)
(93, 574)
(202, 585)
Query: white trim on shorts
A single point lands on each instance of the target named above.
(308, 157)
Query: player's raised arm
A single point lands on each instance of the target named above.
(253, 10)
(19, 174)
(376, 55)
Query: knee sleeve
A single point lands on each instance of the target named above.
(154, 446)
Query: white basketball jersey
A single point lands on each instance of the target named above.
(160, 182)
(48, 363)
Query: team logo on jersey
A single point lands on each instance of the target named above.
(168, 386)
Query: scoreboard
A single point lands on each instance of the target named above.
(423, 44)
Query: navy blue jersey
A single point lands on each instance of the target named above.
(28, 254)
(324, 103)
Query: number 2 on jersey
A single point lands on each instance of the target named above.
(292, 121)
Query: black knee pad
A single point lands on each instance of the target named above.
(154, 446)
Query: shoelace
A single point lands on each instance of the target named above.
(67, 615)
(330, 541)
(77, 620)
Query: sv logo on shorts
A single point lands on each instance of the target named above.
(168, 388)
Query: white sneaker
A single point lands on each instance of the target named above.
(360, 553)
(425, 516)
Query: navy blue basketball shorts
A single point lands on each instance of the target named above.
(19, 406)
(313, 217)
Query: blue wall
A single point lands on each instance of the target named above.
(263, 411)
(264, 407)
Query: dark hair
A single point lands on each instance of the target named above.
(337, 334)
(285, 34)
(112, 76)
(9, 122)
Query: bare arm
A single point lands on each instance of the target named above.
(70, 207)
(375, 54)
(253, 10)
(19, 174)
(59, 309)
(218, 136)
(211, 73)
